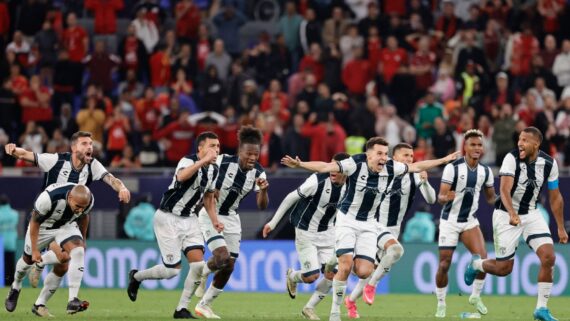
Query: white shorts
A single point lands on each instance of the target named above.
(533, 228)
(67, 232)
(352, 236)
(175, 234)
(230, 237)
(385, 234)
(449, 232)
(314, 249)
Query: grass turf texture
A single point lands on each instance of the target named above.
(113, 304)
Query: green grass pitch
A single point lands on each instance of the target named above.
(159, 305)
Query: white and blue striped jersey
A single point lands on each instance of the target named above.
(529, 178)
(234, 184)
(365, 189)
(316, 210)
(467, 183)
(183, 198)
(59, 169)
(52, 208)
(399, 197)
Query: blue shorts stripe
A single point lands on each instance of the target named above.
(171, 265)
(340, 252)
(313, 272)
(364, 257)
(506, 258)
(213, 238)
(234, 255)
(447, 248)
(193, 247)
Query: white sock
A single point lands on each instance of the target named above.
(358, 289)
(210, 294)
(296, 276)
(389, 258)
(323, 288)
(21, 270)
(48, 258)
(206, 270)
(440, 293)
(544, 289)
(339, 287)
(75, 272)
(477, 288)
(191, 283)
(478, 264)
(51, 284)
(157, 272)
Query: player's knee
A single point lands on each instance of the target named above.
(329, 275)
(63, 257)
(396, 251)
(548, 259)
(362, 272)
(505, 268)
(221, 258)
(444, 265)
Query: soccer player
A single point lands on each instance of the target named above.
(461, 184)
(176, 223)
(78, 167)
(60, 214)
(238, 176)
(523, 174)
(312, 210)
(393, 208)
(356, 229)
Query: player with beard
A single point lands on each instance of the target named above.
(356, 230)
(524, 173)
(78, 167)
(461, 184)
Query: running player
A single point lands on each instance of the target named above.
(523, 174)
(356, 229)
(461, 184)
(393, 208)
(60, 214)
(238, 176)
(312, 210)
(176, 223)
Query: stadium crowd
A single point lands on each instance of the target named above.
(145, 77)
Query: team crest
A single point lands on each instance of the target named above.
(307, 265)
(169, 257)
(502, 250)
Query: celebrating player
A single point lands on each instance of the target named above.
(238, 176)
(369, 174)
(461, 184)
(393, 208)
(312, 209)
(176, 224)
(523, 174)
(60, 214)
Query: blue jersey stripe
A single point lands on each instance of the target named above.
(529, 191)
(468, 195)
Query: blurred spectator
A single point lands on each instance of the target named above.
(444, 86)
(501, 94)
(334, 27)
(540, 92)
(309, 30)
(146, 111)
(521, 47)
(389, 125)
(46, 43)
(31, 16)
(185, 61)
(35, 102)
(9, 234)
(274, 91)
(117, 128)
(34, 138)
(131, 85)
(294, 144)
(139, 223)
(18, 82)
(65, 121)
(63, 81)
(289, 26)
(493, 44)
(561, 67)
(470, 53)
(149, 154)
(371, 20)
(549, 52)
(401, 92)
(312, 62)
(528, 109)
(448, 24)
(503, 132)
(228, 23)
(10, 119)
(392, 58)
(204, 46)
(127, 159)
(101, 65)
(188, 21)
(364, 118)
(212, 91)
(133, 54)
(484, 125)
(159, 64)
(219, 59)
(176, 138)
(356, 74)
(58, 143)
(332, 64)
(22, 49)
(146, 30)
(76, 42)
(420, 228)
(422, 65)
(105, 12)
(348, 42)
(539, 71)
(4, 27)
(91, 119)
(181, 84)
(442, 139)
(550, 10)
(426, 116)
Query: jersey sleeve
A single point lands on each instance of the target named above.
(46, 161)
(219, 160)
(490, 182)
(509, 166)
(448, 173)
(212, 182)
(400, 168)
(553, 177)
(182, 164)
(347, 166)
(98, 170)
(262, 176)
(416, 179)
(42, 205)
(309, 187)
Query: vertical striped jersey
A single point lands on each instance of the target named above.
(234, 184)
(58, 168)
(52, 208)
(316, 210)
(399, 197)
(467, 183)
(529, 178)
(182, 198)
(365, 189)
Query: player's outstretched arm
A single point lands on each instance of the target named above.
(557, 206)
(19, 153)
(505, 188)
(428, 164)
(262, 197)
(118, 186)
(287, 203)
(320, 167)
(428, 192)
